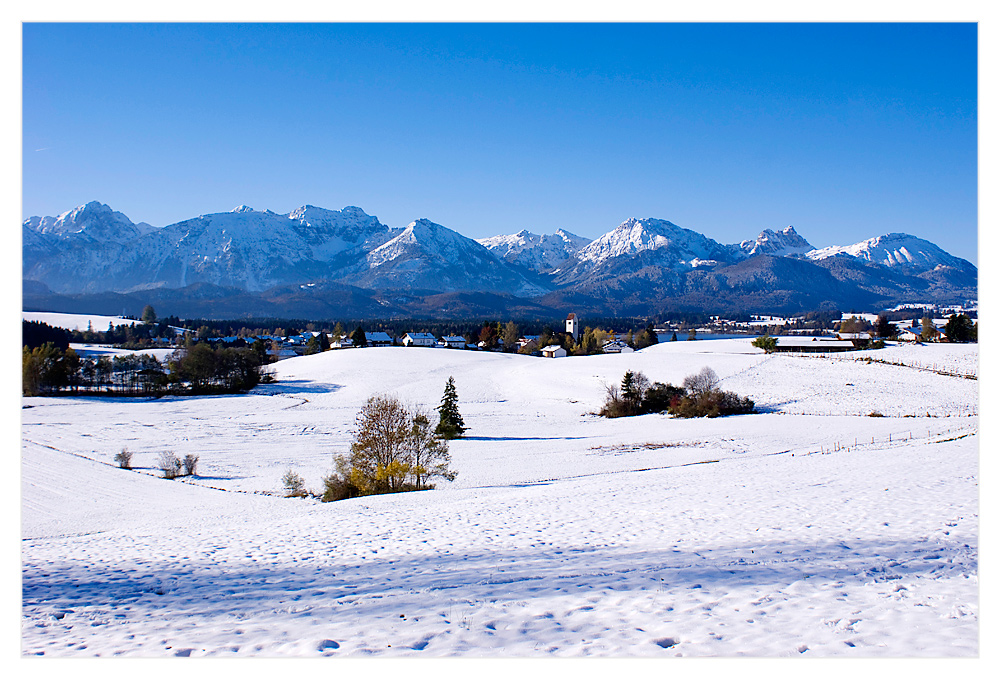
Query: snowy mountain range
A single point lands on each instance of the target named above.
(640, 266)
(541, 253)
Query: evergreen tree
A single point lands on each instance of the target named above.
(885, 329)
(653, 338)
(451, 425)
(673, 338)
(149, 314)
(358, 337)
(324, 342)
(765, 342)
(960, 328)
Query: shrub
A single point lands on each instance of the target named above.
(658, 397)
(169, 465)
(124, 459)
(701, 382)
(712, 403)
(294, 485)
(768, 344)
(336, 487)
(614, 404)
(875, 413)
(699, 397)
(190, 464)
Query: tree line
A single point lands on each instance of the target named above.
(49, 370)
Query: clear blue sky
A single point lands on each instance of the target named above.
(846, 131)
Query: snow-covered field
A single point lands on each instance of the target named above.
(75, 321)
(809, 529)
(97, 350)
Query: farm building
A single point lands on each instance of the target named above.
(378, 339)
(553, 351)
(419, 339)
(814, 344)
(453, 342)
(617, 347)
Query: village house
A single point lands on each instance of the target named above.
(453, 342)
(419, 339)
(617, 346)
(553, 351)
(342, 342)
(378, 339)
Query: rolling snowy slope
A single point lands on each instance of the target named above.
(807, 530)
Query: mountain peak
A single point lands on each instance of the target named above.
(896, 250)
(242, 208)
(782, 243)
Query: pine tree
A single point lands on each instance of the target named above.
(358, 337)
(451, 425)
(653, 337)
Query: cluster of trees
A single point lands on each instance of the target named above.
(960, 328)
(199, 369)
(699, 396)
(394, 450)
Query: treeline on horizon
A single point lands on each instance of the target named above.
(217, 328)
(199, 368)
(142, 335)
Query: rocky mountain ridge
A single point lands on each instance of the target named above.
(642, 264)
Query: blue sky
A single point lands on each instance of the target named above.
(846, 131)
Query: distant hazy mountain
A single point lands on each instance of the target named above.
(318, 260)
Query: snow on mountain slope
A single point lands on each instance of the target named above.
(244, 248)
(430, 256)
(781, 244)
(896, 251)
(676, 247)
(539, 253)
(91, 223)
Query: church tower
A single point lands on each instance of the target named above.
(573, 327)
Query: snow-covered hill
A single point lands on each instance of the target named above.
(809, 530)
(540, 253)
